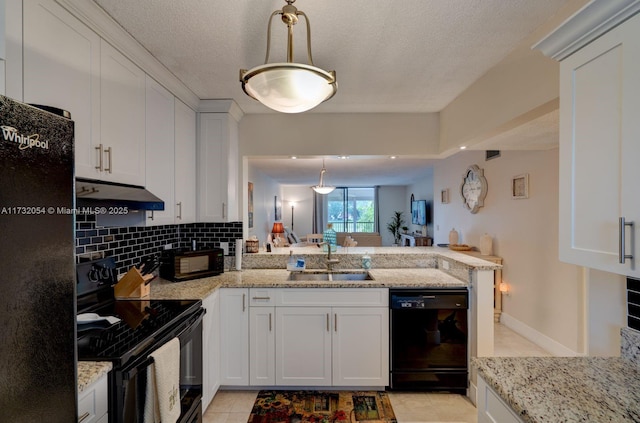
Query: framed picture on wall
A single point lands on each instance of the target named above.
(250, 205)
(444, 196)
(277, 209)
(520, 186)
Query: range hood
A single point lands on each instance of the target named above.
(90, 193)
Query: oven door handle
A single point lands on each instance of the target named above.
(143, 362)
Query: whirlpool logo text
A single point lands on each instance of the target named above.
(11, 134)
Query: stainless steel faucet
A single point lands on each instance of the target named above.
(330, 261)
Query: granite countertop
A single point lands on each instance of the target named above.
(91, 371)
(395, 254)
(198, 289)
(565, 389)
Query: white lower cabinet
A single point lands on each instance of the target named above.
(234, 337)
(360, 346)
(491, 408)
(262, 346)
(317, 337)
(210, 348)
(93, 402)
(303, 346)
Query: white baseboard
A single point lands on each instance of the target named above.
(538, 338)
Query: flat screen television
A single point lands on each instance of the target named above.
(419, 212)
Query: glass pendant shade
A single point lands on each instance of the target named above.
(289, 87)
(321, 188)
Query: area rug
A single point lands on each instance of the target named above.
(322, 407)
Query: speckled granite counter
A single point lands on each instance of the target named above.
(277, 278)
(392, 267)
(381, 258)
(569, 389)
(90, 371)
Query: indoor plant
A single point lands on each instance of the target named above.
(394, 226)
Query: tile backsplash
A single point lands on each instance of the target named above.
(129, 244)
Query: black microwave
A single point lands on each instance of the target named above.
(179, 265)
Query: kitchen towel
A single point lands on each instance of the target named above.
(163, 385)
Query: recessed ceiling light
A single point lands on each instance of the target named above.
(393, 157)
(294, 157)
(343, 157)
(462, 147)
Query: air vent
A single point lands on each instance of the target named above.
(491, 154)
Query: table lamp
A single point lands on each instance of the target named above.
(278, 228)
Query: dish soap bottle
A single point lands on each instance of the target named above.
(366, 261)
(292, 261)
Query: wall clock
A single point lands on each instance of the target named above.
(474, 188)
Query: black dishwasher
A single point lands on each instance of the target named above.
(429, 339)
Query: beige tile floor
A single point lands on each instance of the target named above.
(423, 407)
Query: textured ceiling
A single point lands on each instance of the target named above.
(413, 56)
(390, 56)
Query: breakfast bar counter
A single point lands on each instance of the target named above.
(393, 267)
(278, 278)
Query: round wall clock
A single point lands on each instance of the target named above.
(473, 188)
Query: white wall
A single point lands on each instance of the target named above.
(391, 198)
(546, 296)
(282, 134)
(421, 190)
(302, 195)
(605, 311)
(264, 189)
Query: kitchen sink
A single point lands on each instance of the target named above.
(330, 276)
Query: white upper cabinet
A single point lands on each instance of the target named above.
(217, 168)
(67, 65)
(185, 163)
(599, 139)
(599, 132)
(159, 150)
(62, 69)
(122, 118)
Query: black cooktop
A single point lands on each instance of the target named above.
(143, 323)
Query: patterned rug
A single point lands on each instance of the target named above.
(322, 407)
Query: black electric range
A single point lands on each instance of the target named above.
(143, 326)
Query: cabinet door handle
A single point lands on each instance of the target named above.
(223, 213)
(622, 227)
(261, 298)
(335, 322)
(150, 217)
(108, 151)
(179, 216)
(270, 322)
(328, 327)
(83, 417)
(243, 300)
(99, 149)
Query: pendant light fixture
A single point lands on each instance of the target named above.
(289, 87)
(321, 188)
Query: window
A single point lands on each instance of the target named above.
(352, 209)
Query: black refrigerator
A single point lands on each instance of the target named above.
(37, 269)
